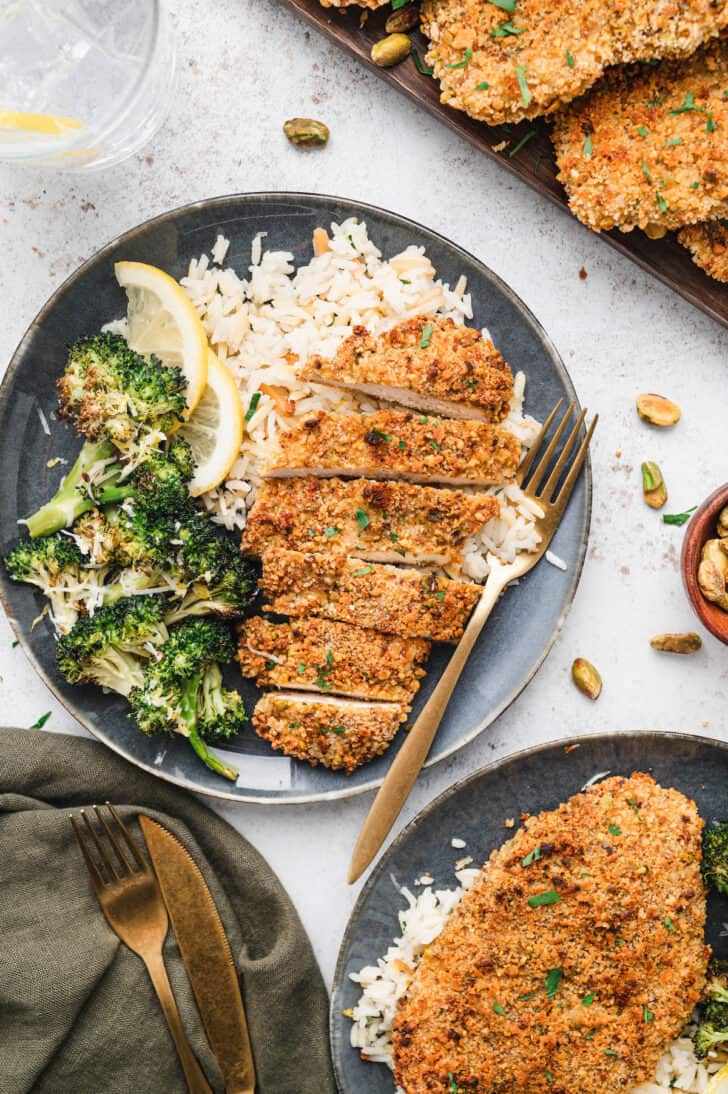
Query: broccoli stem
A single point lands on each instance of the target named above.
(188, 707)
(69, 503)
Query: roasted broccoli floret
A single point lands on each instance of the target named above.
(225, 589)
(65, 575)
(715, 856)
(96, 469)
(712, 1030)
(110, 393)
(708, 1036)
(182, 690)
(110, 646)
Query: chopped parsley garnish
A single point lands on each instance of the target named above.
(611, 1052)
(642, 130)
(657, 101)
(301, 669)
(505, 29)
(646, 171)
(465, 61)
(397, 4)
(553, 980)
(679, 518)
(338, 729)
(331, 531)
(310, 532)
(362, 519)
(452, 1086)
(254, 400)
(499, 1009)
(635, 807)
(549, 1076)
(532, 856)
(539, 900)
(522, 83)
(615, 830)
(379, 435)
(483, 86)
(440, 596)
(694, 185)
(668, 923)
(710, 124)
(587, 150)
(426, 336)
(588, 999)
(527, 996)
(673, 142)
(322, 683)
(661, 203)
(688, 105)
(15, 643)
(420, 64)
(351, 241)
(329, 658)
(41, 721)
(434, 444)
(364, 570)
(569, 59)
(270, 665)
(505, 5)
(513, 152)
(647, 1014)
(423, 421)
(393, 536)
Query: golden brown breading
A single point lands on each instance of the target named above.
(397, 444)
(410, 603)
(428, 362)
(340, 658)
(502, 66)
(648, 145)
(341, 734)
(576, 958)
(708, 244)
(381, 521)
(371, 4)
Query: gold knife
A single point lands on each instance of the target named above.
(206, 954)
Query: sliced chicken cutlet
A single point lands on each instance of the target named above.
(379, 521)
(341, 734)
(429, 363)
(708, 244)
(575, 959)
(502, 65)
(409, 603)
(648, 145)
(395, 444)
(326, 656)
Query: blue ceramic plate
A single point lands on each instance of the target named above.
(475, 810)
(522, 628)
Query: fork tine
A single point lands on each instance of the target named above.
(525, 465)
(96, 879)
(543, 464)
(555, 475)
(113, 876)
(126, 868)
(565, 492)
(130, 841)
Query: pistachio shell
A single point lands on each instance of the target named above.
(306, 132)
(657, 410)
(391, 50)
(711, 580)
(677, 643)
(403, 20)
(586, 678)
(654, 490)
(714, 552)
(655, 231)
(723, 522)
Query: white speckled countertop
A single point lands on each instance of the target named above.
(243, 69)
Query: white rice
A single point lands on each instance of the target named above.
(385, 983)
(263, 324)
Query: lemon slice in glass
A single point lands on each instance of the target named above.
(163, 321)
(215, 430)
(50, 124)
(718, 1083)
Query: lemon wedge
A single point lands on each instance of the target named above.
(25, 122)
(163, 321)
(215, 429)
(719, 1082)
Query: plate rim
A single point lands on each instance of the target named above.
(262, 197)
(382, 863)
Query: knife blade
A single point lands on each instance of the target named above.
(206, 954)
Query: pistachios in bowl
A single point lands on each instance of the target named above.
(705, 563)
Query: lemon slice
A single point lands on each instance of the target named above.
(51, 124)
(719, 1082)
(163, 321)
(215, 430)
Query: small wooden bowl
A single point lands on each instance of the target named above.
(701, 529)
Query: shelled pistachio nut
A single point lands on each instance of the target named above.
(306, 132)
(677, 643)
(657, 410)
(654, 490)
(403, 20)
(391, 50)
(586, 678)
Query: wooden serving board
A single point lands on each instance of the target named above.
(534, 162)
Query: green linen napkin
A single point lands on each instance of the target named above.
(78, 1014)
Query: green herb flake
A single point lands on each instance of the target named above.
(646, 171)
(270, 665)
(339, 730)
(710, 124)
(482, 86)
(434, 444)
(465, 61)
(440, 596)
(526, 95)
(364, 570)
(549, 1076)
(694, 185)
(647, 1014)
(673, 142)
(362, 519)
(679, 518)
(540, 900)
(310, 532)
(505, 5)
(668, 923)
(393, 537)
(587, 150)
(688, 105)
(322, 683)
(615, 830)
(642, 130)
(529, 995)
(569, 59)
(397, 4)
(329, 658)
(254, 400)
(452, 1086)
(588, 999)
(15, 643)
(532, 856)
(301, 669)
(402, 445)
(514, 152)
(507, 29)
(611, 1052)
(633, 805)
(661, 203)
(41, 721)
(426, 336)
(499, 1009)
(420, 64)
(332, 531)
(553, 980)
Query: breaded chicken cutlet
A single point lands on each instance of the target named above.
(708, 244)
(337, 658)
(649, 145)
(501, 65)
(410, 603)
(379, 521)
(575, 959)
(397, 444)
(428, 362)
(341, 734)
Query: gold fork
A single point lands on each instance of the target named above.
(408, 762)
(132, 903)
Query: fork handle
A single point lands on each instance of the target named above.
(407, 764)
(196, 1080)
